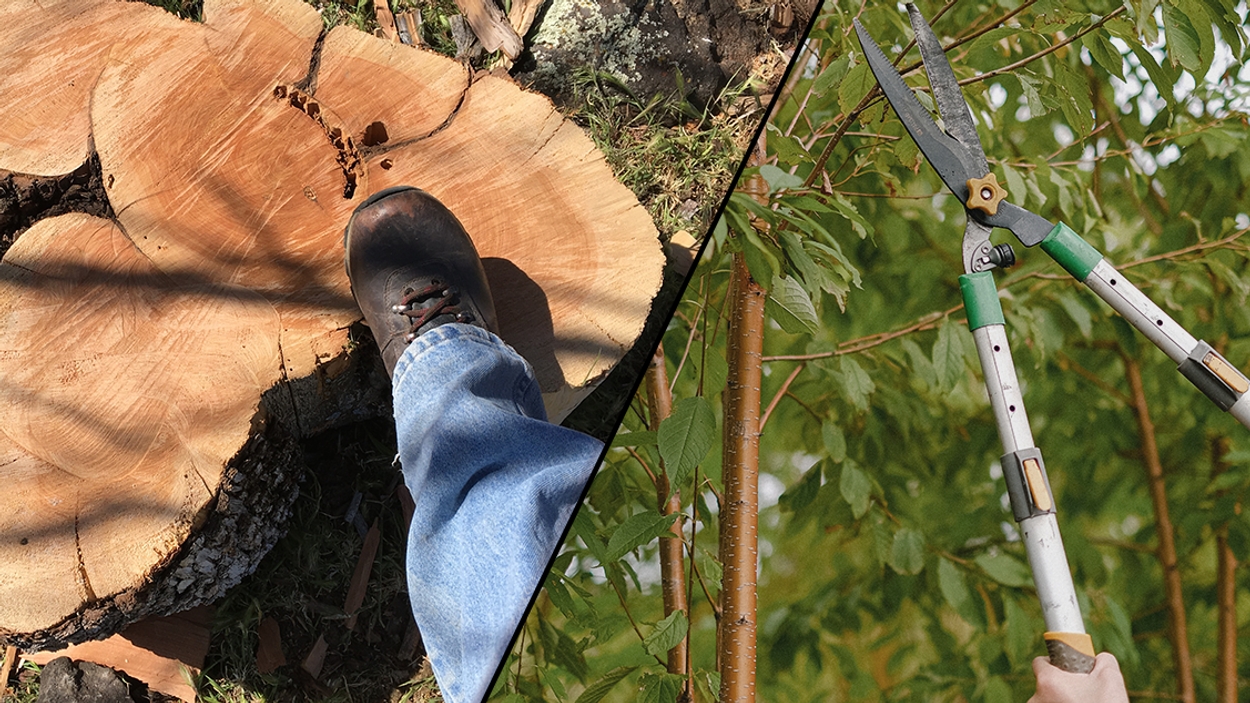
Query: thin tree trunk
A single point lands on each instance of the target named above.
(739, 514)
(1225, 596)
(668, 499)
(1178, 630)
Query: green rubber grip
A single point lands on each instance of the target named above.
(981, 300)
(1071, 252)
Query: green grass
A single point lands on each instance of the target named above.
(677, 158)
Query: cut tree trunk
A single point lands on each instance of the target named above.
(157, 363)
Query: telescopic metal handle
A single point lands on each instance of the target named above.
(1206, 368)
(1028, 487)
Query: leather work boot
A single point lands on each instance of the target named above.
(412, 268)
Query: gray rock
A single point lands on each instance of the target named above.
(67, 681)
(644, 45)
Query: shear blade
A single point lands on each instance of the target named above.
(955, 153)
(950, 99)
(950, 157)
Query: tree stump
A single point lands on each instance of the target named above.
(157, 365)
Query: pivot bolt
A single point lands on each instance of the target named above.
(985, 194)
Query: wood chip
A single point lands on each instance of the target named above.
(386, 20)
(269, 654)
(160, 652)
(316, 658)
(491, 27)
(360, 576)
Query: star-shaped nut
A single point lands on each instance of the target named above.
(985, 194)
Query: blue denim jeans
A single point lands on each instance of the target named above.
(494, 485)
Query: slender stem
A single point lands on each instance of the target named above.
(860, 344)
(1178, 630)
(668, 500)
(739, 513)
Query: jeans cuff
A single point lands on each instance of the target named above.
(450, 333)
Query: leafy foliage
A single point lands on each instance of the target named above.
(891, 569)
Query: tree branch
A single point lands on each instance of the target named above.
(1178, 630)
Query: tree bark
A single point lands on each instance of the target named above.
(739, 514)
(1178, 630)
(668, 499)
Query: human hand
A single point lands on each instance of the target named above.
(1105, 684)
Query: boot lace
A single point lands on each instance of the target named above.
(413, 305)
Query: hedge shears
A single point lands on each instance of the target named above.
(955, 152)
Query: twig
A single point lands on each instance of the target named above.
(643, 463)
(780, 392)
(1044, 52)
(854, 346)
(632, 623)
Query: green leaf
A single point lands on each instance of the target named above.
(1031, 84)
(1020, 634)
(1078, 312)
(856, 489)
(953, 585)
(861, 225)
(1104, 53)
(831, 77)
(948, 356)
(1184, 46)
(559, 593)
(659, 688)
(636, 531)
(584, 527)
(1005, 569)
(856, 383)
(1015, 185)
(596, 691)
(907, 153)
(666, 634)
(713, 370)
(761, 262)
(562, 650)
(882, 539)
(834, 441)
(707, 684)
(1161, 78)
(713, 571)
(907, 553)
(801, 494)
(685, 437)
(778, 179)
(859, 80)
(791, 307)
(1074, 99)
